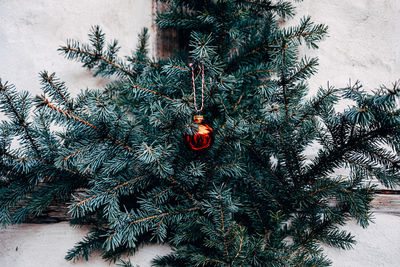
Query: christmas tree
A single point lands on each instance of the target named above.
(238, 191)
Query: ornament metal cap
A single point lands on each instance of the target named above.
(198, 118)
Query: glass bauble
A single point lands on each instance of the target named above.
(201, 136)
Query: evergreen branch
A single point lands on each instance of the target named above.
(219, 151)
(284, 82)
(328, 208)
(317, 31)
(391, 159)
(21, 121)
(190, 196)
(208, 259)
(268, 168)
(91, 242)
(259, 71)
(282, 8)
(53, 86)
(21, 159)
(76, 152)
(261, 121)
(96, 37)
(178, 67)
(81, 100)
(321, 189)
(162, 192)
(364, 166)
(152, 91)
(264, 190)
(127, 136)
(164, 215)
(246, 55)
(69, 170)
(68, 49)
(297, 35)
(292, 160)
(330, 158)
(267, 5)
(307, 68)
(354, 203)
(244, 259)
(223, 225)
(238, 102)
(68, 116)
(315, 104)
(115, 189)
(150, 64)
(240, 246)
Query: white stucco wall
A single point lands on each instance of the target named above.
(31, 32)
(363, 44)
(45, 245)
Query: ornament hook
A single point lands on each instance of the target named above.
(194, 87)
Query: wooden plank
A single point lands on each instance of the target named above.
(382, 203)
(387, 203)
(57, 212)
(54, 213)
(168, 41)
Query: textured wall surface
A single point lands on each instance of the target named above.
(31, 32)
(363, 44)
(45, 245)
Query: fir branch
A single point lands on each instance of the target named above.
(175, 182)
(164, 215)
(314, 106)
(293, 36)
(21, 159)
(56, 88)
(284, 81)
(68, 116)
(264, 190)
(21, 121)
(258, 71)
(76, 152)
(150, 64)
(282, 8)
(305, 70)
(71, 52)
(223, 225)
(329, 159)
(91, 242)
(115, 189)
(151, 91)
(327, 187)
(240, 247)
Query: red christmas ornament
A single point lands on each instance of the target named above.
(203, 135)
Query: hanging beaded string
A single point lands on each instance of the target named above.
(194, 87)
